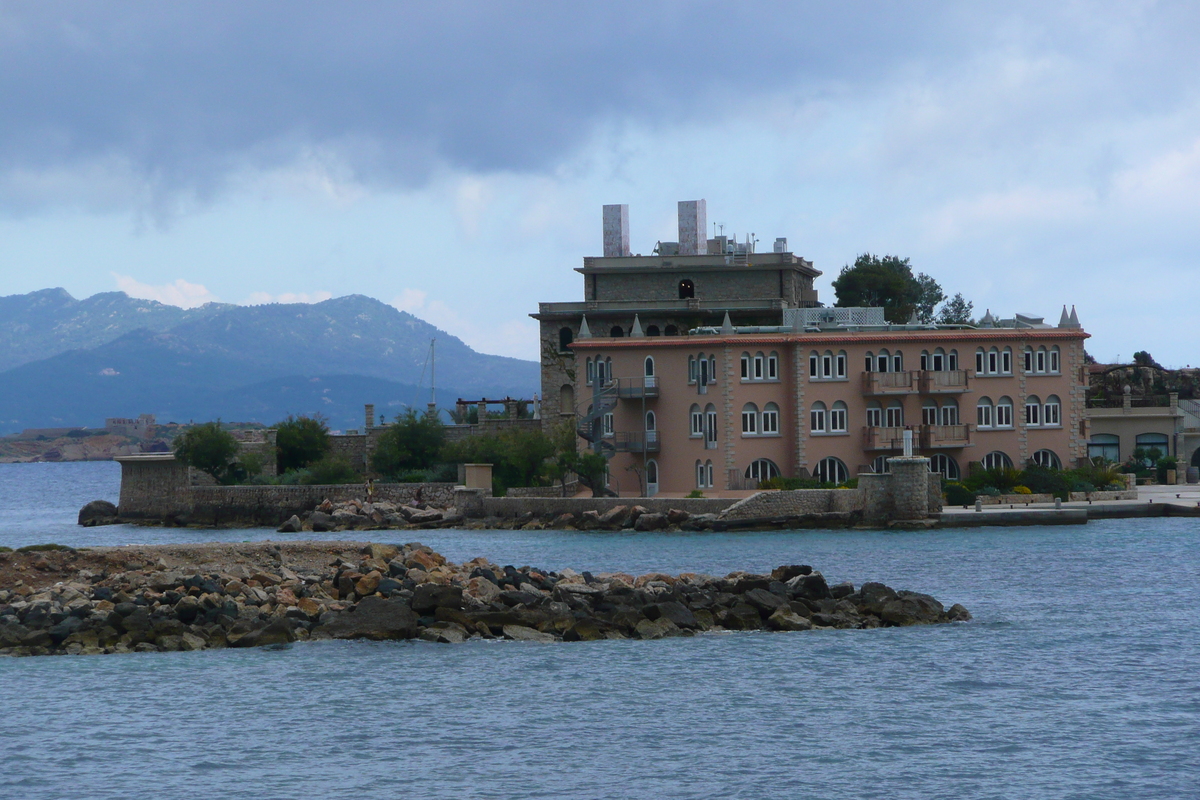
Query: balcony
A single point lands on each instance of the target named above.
(943, 437)
(954, 381)
(875, 438)
(637, 388)
(631, 442)
(887, 383)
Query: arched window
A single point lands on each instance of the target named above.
(608, 374)
(874, 414)
(745, 362)
(616, 332)
(880, 465)
(814, 365)
(648, 366)
(710, 426)
(870, 361)
(762, 469)
(1040, 362)
(827, 364)
(893, 415)
(1033, 411)
(1151, 442)
(650, 422)
(1053, 412)
(566, 399)
(897, 361)
(929, 413)
(565, 337)
(944, 465)
(1006, 361)
(1055, 360)
(651, 478)
(652, 330)
(816, 417)
(980, 361)
(1004, 412)
(983, 413)
(948, 413)
(697, 422)
(952, 360)
(671, 330)
(700, 484)
(840, 364)
(712, 369)
(993, 361)
(687, 289)
(692, 369)
(939, 360)
(749, 420)
(1106, 446)
(1047, 459)
(883, 362)
(760, 366)
(924, 359)
(708, 472)
(1028, 360)
(591, 372)
(770, 419)
(996, 459)
(837, 418)
(831, 470)
(773, 367)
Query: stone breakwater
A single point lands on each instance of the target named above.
(177, 597)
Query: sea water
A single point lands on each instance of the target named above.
(1078, 678)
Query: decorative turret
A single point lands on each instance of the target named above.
(727, 326)
(988, 320)
(636, 330)
(584, 331)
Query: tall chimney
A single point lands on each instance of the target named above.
(616, 230)
(693, 228)
(369, 408)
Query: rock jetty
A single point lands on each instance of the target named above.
(193, 597)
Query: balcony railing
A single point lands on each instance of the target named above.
(888, 383)
(634, 442)
(637, 388)
(935, 437)
(944, 382)
(875, 438)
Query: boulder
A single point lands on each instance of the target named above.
(660, 628)
(278, 631)
(677, 517)
(843, 589)
(809, 587)
(563, 520)
(367, 584)
(634, 513)
(521, 633)
(585, 630)
(741, 617)
(787, 620)
(482, 589)
(588, 520)
(291, 525)
(372, 618)
(650, 521)
(615, 516)
(187, 609)
(958, 613)
(677, 613)
(428, 596)
(321, 522)
(445, 633)
(788, 571)
(873, 596)
(97, 512)
(766, 602)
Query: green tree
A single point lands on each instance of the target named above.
(412, 442)
(300, 441)
(956, 311)
(518, 457)
(888, 282)
(209, 448)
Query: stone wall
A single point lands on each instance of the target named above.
(795, 503)
(507, 507)
(153, 488)
(270, 505)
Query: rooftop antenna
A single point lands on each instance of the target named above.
(431, 365)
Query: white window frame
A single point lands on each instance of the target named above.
(816, 420)
(772, 367)
(1006, 361)
(749, 422)
(1004, 415)
(1033, 414)
(840, 362)
(837, 418)
(759, 367)
(745, 366)
(1055, 361)
(874, 417)
(894, 417)
(606, 425)
(710, 428)
(983, 415)
(696, 426)
(770, 420)
(1052, 416)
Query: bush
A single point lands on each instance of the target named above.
(694, 493)
(958, 495)
(210, 449)
(1019, 489)
(39, 548)
(1082, 486)
(790, 484)
(1045, 480)
(413, 442)
(990, 491)
(331, 470)
(518, 457)
(300, 441)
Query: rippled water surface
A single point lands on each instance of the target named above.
(1077, 679)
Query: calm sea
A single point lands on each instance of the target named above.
(1079, 678)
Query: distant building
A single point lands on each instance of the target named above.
(716, 370)
(140, 428)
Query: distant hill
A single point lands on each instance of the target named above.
(241, 363)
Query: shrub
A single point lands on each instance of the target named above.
(211, 449)
(1082, 486)
(413, 442)
(300, 441)
(788, 484)
(1045, 480)
(518, 457)
(1018, 489)
(694, 493)
(991, 491)
(958, 495)
(38, 548)
(331, 470)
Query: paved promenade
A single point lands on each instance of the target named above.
(1153, 501)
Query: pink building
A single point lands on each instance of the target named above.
(762, 383)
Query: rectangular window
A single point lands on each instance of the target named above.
(1041, 360)
(1004, 416)
(749, 423)
(710, 428)
(1029, 361)
(841, 365)
(770, 422)
(691, 369)
(772, 368)
(1055, 366)
(1052, 414)
(697, 424)
(837, 420)
(883, 364)
(812, 366)
(897, 363)
(924, 361)
(700, 475)
(758, 368)
(874, 417)
(817, 420)
(992, 367)
(704, 372)
(929, 415)
(591, 372)
(979, 363)
(745, 368)
(949, 415)
(1032, 414)
(708, 468)
(826, 366)
(952, 362)
(608, 424)
(870, 364)
(895, 417)
(939, 363)
(984, 415)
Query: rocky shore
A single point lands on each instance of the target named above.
(193, 597)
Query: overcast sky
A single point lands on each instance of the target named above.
(452, 158)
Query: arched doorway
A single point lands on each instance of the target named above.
(687, 289)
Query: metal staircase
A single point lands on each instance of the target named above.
(591, 425)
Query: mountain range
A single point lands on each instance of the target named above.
(74, 362)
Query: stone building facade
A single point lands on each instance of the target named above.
(742, 387)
